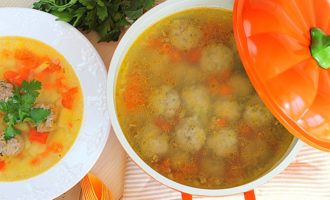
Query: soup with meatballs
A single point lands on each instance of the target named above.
(187, 107)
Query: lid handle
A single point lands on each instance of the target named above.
(320, 47)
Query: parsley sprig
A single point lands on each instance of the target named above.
(106, 17)
(19, 108)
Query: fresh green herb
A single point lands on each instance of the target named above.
(19, 108)
(106, 17)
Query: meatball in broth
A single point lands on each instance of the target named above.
(192, 114)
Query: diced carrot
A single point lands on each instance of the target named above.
(28, 58)
(178, 176)
(40, 76)
(55, 147)
(246, 131)
(154, 42)
(166, 48)
(225, 75)
(165, 166)
(163, 124)
(68, 97)
(54, 67)
(221, 122)
(189, 169)
(134, 95)
(13, 77)
(2, 165)
(35, 161)
(39, 157)
(59, 82)
(225, 89)
(35, 136)
(194, 55)
(211, 31)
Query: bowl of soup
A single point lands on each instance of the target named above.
(183, 107)
(53, 117)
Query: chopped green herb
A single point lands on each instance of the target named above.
(39, 115)
(107, 18)
(19, 108)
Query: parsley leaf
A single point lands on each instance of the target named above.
(39, 115)
(107, 18)
(11, 132)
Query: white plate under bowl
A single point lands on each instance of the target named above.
(91, 72)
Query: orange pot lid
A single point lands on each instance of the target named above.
(285, 51)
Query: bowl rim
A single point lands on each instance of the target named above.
(93, 133)
(159, 12)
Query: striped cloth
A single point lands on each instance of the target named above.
(306, 178)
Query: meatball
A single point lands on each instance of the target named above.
(189, 135)
(216, 58)
(256, 114)
(165, 101)
(224, 142)
(241, 85)
(254, 152)
(49, 124)
(6, 90)
(227, 109)
(184, 34)
(196, 100)
(152, 143)
(11, 147)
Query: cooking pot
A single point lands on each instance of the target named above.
(148, 19)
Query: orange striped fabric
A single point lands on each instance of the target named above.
(306, 178)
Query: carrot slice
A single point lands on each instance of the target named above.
(163, 124)
(28, 58)
(225, 89)
(68, 97)
(2, 165)
(246, 131)
(35, 136)
(194, 55)
(13, 77)
(54, 67)
(164, 166)
(166, 48)
(55, 147)
(134, 95)
(221, 122)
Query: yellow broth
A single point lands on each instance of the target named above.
(188, 109)
(32, 58)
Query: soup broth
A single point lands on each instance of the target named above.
(38, 146)
(187, 108)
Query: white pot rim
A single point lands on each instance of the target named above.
(151, 17)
